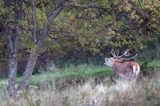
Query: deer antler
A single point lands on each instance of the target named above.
(126, 54)
(113, 53)
(130, 57)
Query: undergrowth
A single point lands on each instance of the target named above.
(105, 93)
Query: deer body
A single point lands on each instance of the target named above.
(123, 68)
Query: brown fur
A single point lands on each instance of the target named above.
(124, 67)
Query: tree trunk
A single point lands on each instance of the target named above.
(12, 44)
(12, 67)
(29, 69)
(11, 38)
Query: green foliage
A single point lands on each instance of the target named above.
(90, 30)
(115, 23)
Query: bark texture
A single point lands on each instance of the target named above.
(29, 69)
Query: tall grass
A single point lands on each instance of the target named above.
(121, 93)
(84, 85)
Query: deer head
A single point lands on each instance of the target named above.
(116, 58)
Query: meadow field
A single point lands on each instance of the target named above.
(85, 85)
(52, 52)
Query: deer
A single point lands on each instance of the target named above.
(124, 67)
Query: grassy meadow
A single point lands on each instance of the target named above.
(85, 85)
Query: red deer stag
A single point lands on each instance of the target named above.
(124, 67)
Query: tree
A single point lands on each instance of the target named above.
(12, 39)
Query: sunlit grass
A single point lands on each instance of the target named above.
(154, 63)
(83, 70)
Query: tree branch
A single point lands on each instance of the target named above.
(6, 36)
(34, 21)
(52, 16)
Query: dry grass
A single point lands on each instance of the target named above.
(121, 93)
